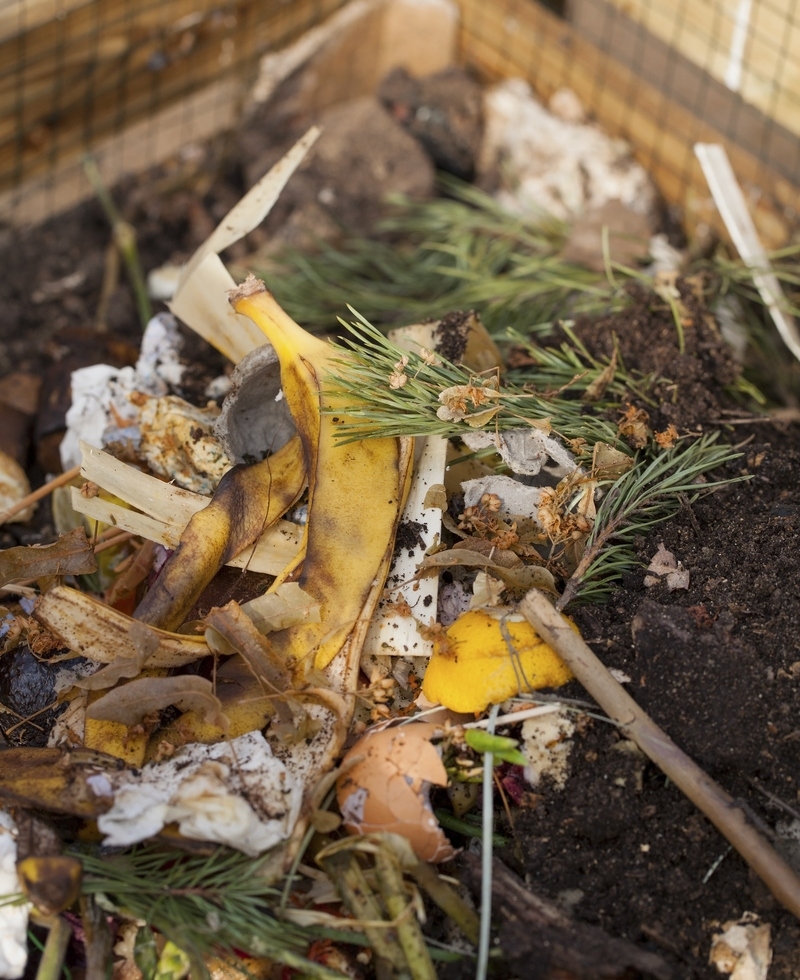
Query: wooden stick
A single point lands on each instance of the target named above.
(710, 798)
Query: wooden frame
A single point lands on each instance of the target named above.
(178, 69)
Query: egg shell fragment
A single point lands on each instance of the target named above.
(387, 790)
(473, 667)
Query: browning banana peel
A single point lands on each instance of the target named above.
(356, 492)
(247, 500)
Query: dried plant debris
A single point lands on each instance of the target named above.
(403, 504)
(72, 554)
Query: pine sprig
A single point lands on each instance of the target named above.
(362, 390)
(572, 364)
(462, 251)
(219, 903)
(650, 492)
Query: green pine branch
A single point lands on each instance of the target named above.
(460, 251)
(647, 494)
(362, 390)
(220, 903)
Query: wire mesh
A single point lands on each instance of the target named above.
(665, 75)
(133, 80)
(129, 80)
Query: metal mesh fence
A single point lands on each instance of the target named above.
(727, 62)
(132, 80)
(129, 80)
(666, 74)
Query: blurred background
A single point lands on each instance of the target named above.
(133, 81)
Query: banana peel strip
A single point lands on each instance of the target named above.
(163, 511)
(356, 495)
(94, 630)
(247, 500)
(200, 299)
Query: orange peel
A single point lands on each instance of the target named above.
(483, 659)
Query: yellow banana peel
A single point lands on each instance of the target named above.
(115, 739)
(247, 500)
(356, 493)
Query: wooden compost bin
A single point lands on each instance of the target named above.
(134, 81)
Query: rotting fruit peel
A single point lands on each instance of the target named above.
(484, 658)
(356, 492)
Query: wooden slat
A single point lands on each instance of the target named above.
(19, 16)
(146, 143)
(71, 81)
(704, 32)
(521, 38)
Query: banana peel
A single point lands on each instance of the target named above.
(356, 495)
(247, 501)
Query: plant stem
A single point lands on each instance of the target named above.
(710, 798)
(124, 238)
(351, 883)
(54, 949)
(409, 934)
(448, 900)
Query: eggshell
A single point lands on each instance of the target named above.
(387, 790)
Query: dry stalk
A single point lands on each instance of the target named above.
(710, 798)
(43, 491)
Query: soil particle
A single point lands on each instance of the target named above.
(692, 369)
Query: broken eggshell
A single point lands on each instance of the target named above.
(387, 789)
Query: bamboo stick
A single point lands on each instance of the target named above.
(710, 798)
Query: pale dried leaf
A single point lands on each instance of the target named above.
(129, 703)
(243, 636)
(285, 607)
(96, 631)
(72, 554)
(486, 591)
(609, 463)
(144, 644)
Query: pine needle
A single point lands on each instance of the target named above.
(220, 903)
(461, 251)
(647, 494)
(363, 390)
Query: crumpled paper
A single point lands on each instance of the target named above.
(13, 918)
(524, 451)
(234, 793)
(560, 166)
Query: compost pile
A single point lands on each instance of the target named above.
(604, 419)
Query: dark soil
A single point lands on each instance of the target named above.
(717, 665)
